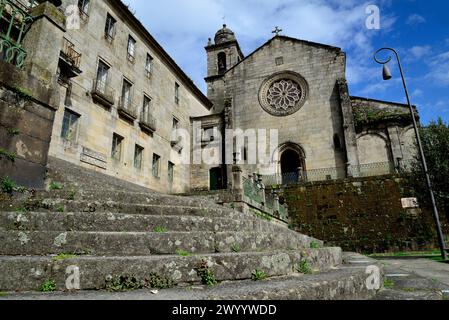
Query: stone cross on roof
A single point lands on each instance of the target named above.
(277, 30)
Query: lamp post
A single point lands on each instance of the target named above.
(387, 76)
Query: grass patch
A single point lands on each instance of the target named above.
(64, 256)
(156, 281)
(72, 195)
(304, 267)
(159, 229)
(23, 93)
(258, 275)
(48, 286)
(7, 185)
(124, 283)
(8, 155)
(13, 132)
(314, 245)
(182, 253)
(3, 294)
(206, 274)
(389, 284)
(61, 209)
(55, 186)
(236, 248)
(22, 210)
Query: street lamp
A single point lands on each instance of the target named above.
(387, 76)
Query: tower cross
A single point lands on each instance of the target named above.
(276, 31)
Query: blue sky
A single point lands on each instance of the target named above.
(418, 29)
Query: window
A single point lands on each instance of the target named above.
(156, 165)
(109, 30)
(171, 172)
(221, 62)
(176, 93)
(117, 143)
(175, 124)
(102, 76)
(149, 65)
(279, 61)
(126, 94)
(146, 105)
(131, 49)
(70, 125)
(138, 157)
(83, 5)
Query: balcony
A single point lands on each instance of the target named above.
(176, 143)
(103, 93)
(147, 122)
(127, 110)
(69, 60)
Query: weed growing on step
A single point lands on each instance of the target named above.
(236, 248)
(182, 253)
(156, 281)
(124, 283)
(8, 155)
(64, 256)
(61, 209)
(160, 229)
(72, 195)
(258, 275)
(388, 284)
(22, 210)
(304, 267)
(48, 286)
(314, 245)
(7, 185)
(55, 186)
(206, 274)
(3, 294)
(13, 132)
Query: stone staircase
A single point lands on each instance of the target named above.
(85, 236)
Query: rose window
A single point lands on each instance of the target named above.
(284, 94)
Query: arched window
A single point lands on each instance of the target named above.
(337, 142)
(222, 63)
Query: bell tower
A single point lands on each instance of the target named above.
(222, 54)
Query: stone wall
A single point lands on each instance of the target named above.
(364, 215)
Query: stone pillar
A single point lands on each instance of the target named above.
(43, 42)
(237, 179)
(349, 129)
(396, 147)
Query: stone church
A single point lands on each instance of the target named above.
(299, 88)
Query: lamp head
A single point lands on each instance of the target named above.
(387, 73)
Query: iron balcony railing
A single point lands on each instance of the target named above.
(147, 121)
(104, 91)
(14, 23)
(127, 108)
(70, 54)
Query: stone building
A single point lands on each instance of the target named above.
(299, 88)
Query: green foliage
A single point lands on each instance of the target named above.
(304, 267)
(258, 275)
(48, 286)
(22, 210)
(13, 132)
(55, 186)
(182, 253)
(314, 245)
(369, 115)
(60, 209)
(124, 283)
(159, 229)
(7, 185)
(388, 284)
(23, 93)
(64, 256)
(206, 274)
(8, 155)
(236, 248)
(3, 294)
(157, 281)
(72, 195)
(435, 140)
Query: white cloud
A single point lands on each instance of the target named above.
(182, 27)
(418, 52)
(415, 19)
(439, 69)
(417, 93)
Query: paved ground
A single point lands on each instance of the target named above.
(415, 279)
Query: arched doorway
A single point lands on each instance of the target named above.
(291, 162)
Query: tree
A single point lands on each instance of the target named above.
(435, 140)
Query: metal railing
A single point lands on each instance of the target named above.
(14, 23)
(328, 174)
(128, 106)
(68, 50)
(253, 190)
(148, 120)
(103, 89)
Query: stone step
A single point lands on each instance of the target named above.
(29, 273)
(144, 243)
(110, 222)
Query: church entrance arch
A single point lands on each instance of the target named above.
(292, 163)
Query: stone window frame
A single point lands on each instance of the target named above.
(138, 156)
(177, 92)
(107, 34)
(132, 44)
(117, 147)
(71, 127)
(156, 166)
(171, 172)
(84, 13)
(149, 65)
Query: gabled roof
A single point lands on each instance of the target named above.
(314, 44)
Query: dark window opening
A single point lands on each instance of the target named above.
(222, 67)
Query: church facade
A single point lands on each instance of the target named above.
(298, 88)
